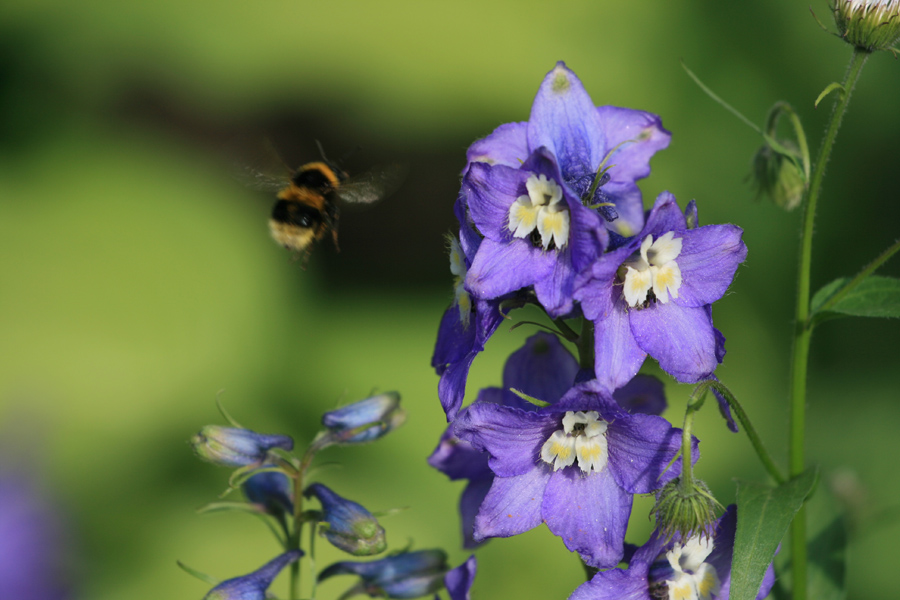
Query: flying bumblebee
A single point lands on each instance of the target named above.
(309, 197)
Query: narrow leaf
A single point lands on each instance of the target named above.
(229, 506)
(764, 514)
(875, 296)
(828, 537)
(834, 85)
(225, 414)
(198, 574)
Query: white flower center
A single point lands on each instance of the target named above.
(542, 209)
(458, 269)
(693, 579)
(582, 438)
(654, 268)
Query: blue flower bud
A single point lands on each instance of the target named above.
(254, 585)
(351, 527)
(407, 575)
(272, 490)
(233, 447)
(366, 420)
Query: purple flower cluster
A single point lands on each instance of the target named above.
(550, 214)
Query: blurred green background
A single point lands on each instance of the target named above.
(137, 279)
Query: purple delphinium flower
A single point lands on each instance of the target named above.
(574, 464)
(253, 586)
(694, 569)
(466, 325)
(582, 136)
(528, 188)
(542, 368)
(653, 295)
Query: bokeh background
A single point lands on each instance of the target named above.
(137, 279)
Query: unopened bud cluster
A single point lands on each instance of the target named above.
(687, 510)
(869, 25)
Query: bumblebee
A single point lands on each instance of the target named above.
(309, 198)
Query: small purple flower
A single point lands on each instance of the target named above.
(254, 585)
(653, 295)
(349, 526)
(574, 465)
(695, 569)
(531, 190)
(543, 369)
(235, 447)
(365, 420)
(406, 575)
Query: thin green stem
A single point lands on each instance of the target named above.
(803, 330)
(294, 540)
(755, 440)
(687, 477)
(586, 345)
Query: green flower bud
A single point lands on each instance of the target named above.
(778, 177)
(686, 510)
(869, 25)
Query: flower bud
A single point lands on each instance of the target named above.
(365, 420)
(350, 526)
(254, 585)
(407, 575)
(778, 177)
(869, 25)
(271, 490)
(687, 510)
(234, 447)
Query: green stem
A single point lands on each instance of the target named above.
(695, 402)
(586, 345)
(755, 440)
(294, 540)
(803, 330)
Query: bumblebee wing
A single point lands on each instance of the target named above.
(373, 185)
(258, 166)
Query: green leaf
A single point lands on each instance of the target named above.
(230, 506)
(764, 514)
(874, 296)
(827, 543)
(831, 87)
